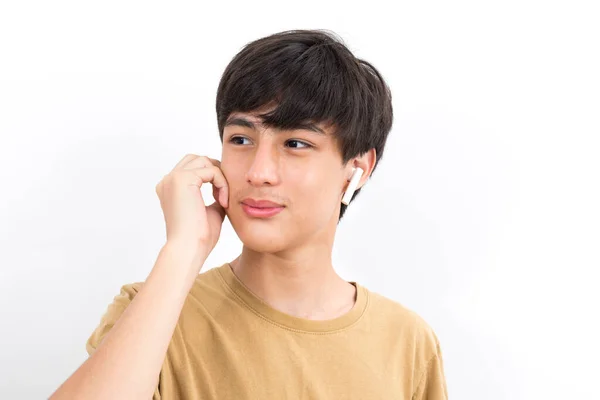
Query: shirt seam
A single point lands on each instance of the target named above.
(422, 377)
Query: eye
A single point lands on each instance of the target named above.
(295, 144)
(236, 139)
(306, 145)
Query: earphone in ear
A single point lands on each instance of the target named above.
(356, 175)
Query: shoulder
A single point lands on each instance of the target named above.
(112, 313)
(120, 301)
(128, 291)
(397, 314)
(410, 336)
(401, 323)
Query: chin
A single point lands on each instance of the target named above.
(260, 235)
(261, 239)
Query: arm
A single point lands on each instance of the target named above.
(127, 363)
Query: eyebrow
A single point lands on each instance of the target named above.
(245, 123)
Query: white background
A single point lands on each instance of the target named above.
(482, 217)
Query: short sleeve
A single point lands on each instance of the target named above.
(432, 384)
(110, 317)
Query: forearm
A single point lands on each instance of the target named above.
(127, 364)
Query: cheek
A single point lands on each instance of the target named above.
(317, 190)
(231, 170)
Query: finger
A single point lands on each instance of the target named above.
(212, 175)
(201, 161)
(185, 160)
(215, 162)
(192, 161)
(220, 196)
(206, 162)
(224, 193)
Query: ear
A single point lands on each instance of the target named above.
(366, 162)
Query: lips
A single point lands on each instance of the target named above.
(261, 203)
(261, 208)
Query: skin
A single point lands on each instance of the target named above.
(286, 259)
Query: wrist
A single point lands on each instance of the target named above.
(186, 253)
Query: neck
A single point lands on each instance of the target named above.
(303, 284)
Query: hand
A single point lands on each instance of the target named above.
(187, 218)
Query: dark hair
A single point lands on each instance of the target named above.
(311, 76)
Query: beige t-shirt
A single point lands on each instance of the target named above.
(229, 344)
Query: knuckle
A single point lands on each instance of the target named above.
(159, 184)
(191, 175)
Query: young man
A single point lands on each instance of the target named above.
(298, 114)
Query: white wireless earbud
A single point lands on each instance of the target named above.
(356, 175)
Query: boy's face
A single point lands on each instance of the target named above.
(300, 169)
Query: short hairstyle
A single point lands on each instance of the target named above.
(310, 76)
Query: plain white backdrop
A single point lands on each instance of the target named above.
(482, 217)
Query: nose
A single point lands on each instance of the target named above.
(264, 169)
